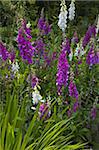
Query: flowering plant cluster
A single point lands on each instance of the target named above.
(49, 76)
(74, 52)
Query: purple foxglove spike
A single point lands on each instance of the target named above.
(90, 32)
(24, 43)
(73, 90)
(43, 26)
(92, 57)
(63, 71)
(3, 51)
(66, 46)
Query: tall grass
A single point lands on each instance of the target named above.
(16, 134)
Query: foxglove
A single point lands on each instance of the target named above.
(73, 90)
(24, 43)
(90, 32)
(43, 26)
(66, 46)
(72, 10)
(62, 23)
(63, 72)
(92, 57)
(97, 27)
(3, 51)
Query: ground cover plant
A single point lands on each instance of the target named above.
(48, 81)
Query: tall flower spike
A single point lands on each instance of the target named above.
(92, 57)
(73, 90)
(43, 25)
(63, 71)
(97, 27)
(24, 43)
(62, 23)
(3, 51)
(90, 32)
(72, 10)
(66, 46)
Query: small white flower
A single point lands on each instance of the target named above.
(79, 51)
(71, 55)
(28, 25)
(72, 10)
(33, 108)
(76, 51)
(62, 23)
(15, 67)
(36, 97)
(82, 52)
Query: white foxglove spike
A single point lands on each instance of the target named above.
(97, 26)
(72, 10)
(62, 23)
